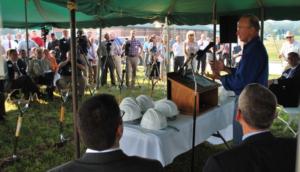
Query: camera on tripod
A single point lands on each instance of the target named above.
(80, 36)
(44, 32)
(108, 44)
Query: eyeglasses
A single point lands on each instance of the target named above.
(191, 35)
(122, 113)
(288, 37)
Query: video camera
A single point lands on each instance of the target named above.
(80, 36)
(44, 32)
(127, 46)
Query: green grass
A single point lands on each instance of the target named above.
(40, 131)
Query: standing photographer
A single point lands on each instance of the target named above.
(132, 46)
(109, 50)
(82, 49)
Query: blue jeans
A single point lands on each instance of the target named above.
(237, 128)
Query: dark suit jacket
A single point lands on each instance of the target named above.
(11, 70)
(115, 161)
(64, 47)
(287, 90)
(258, 153)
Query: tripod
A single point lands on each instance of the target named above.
(153, 71)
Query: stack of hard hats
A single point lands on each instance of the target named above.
(154, 119)
(168, 108)
(145, 102)
(132, 111)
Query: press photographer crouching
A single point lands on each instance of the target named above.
(82, 49)
(66, 75)
(132, 57)
(109, 49)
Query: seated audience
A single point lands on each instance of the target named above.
(287, 87)
(100, 126)
(260, 150)
(40, 72)
(66, 75)
(17, 77)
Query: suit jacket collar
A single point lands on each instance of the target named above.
(261, 137)
(102, 158)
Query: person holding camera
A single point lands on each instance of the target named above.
(109, 50)
(66, 75)
(132, 59)
(82, 49)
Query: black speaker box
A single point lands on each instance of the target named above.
(228, 28)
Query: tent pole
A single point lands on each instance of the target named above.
(99, 52)
(26, 27)
(74, 78)
(262, 19)
(298, 149)
(168, 43)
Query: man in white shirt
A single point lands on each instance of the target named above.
(178, 53)
(290, 46)
(18, 38)
(93, 59)
(202, 43)
(100, 125)
(9, 43)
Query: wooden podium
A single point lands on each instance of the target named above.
(182, 92)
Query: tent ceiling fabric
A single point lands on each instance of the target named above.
(40, 13)
(190, 12)
(130, 12)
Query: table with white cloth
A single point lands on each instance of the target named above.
(164, 145)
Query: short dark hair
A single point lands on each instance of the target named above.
(294, 54)
(97, 120)
(10, 51)
(258, 106)
(253, 21)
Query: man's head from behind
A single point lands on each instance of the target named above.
(257, 107)
(99, 122)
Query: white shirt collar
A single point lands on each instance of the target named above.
(253, 133)
(104, 151)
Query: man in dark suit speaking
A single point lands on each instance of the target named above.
(287, 87)
(260, 150)
(100, 126)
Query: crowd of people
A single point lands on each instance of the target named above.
(254, 109)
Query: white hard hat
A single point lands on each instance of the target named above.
(145, 102)
(168, 108)
(132, 113)
(154, 119)
(129, 100)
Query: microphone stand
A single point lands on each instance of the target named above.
(181, 72)
(194, 114)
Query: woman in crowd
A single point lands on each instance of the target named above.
(190, 46)
(154, 57)
(219, 48)
(163, 51)
(51, 57)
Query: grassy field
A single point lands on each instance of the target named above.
(40, 131)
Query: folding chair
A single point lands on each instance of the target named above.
(293, 112)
